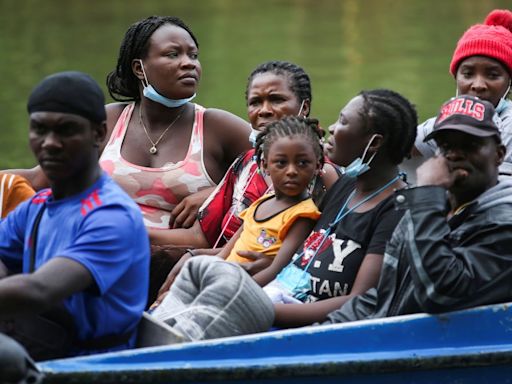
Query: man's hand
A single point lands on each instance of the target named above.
(260, 261)
(437, 171)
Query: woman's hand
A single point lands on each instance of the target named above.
(259, 263)
(185, 213)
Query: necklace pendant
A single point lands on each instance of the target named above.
(153, 150)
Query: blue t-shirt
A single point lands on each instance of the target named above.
(100, 228)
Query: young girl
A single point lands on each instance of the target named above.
(289, 151)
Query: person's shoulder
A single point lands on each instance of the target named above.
(108, 194)
(11, 182)
(224, 121)
(496, 202)
(309, 204)
(338, 193)
(506, 114)
(114, 111)
(343, 183)
(425, 128)
(308, 209)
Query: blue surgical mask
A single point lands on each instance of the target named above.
(152, 94)
(358, 166)
(503, 103)
(253, 136)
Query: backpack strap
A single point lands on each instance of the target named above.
(33, 239)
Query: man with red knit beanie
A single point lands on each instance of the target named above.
(482, 67)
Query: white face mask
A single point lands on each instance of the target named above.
(253, 136)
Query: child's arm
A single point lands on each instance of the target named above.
(226, 249)
(294, 238)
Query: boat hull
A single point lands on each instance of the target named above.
(470, 346)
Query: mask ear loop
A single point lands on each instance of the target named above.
(145, 85)
(508, 90)
(301, 106)
(366, 150)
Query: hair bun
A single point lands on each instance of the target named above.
(500, 17)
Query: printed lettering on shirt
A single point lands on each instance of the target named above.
(314, 282)
(338, 290)
(324, 288)
(341, 252)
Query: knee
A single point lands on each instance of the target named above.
(213, 268)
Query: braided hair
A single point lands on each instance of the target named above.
(122, 84)
(390, 114)
(298, 79)
(290, 126)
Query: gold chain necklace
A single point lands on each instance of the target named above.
(153, 149)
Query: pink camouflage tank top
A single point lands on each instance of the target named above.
(157, 190)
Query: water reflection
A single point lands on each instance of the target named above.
(345, 45)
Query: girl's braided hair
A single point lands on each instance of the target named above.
(290, 126)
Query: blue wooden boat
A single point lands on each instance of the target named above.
(470, 346)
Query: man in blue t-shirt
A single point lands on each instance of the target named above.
(80, 245)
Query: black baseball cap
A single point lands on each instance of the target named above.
(468, 114)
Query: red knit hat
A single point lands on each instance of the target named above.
(492, 39)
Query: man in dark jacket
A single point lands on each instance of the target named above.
(453, 247)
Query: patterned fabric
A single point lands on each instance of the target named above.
(267, 235)
(241, 186)
(157, 190)
(13, 190)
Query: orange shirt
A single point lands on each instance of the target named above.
(13, 190)
(267, 235)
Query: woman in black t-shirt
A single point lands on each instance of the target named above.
(343, 255)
